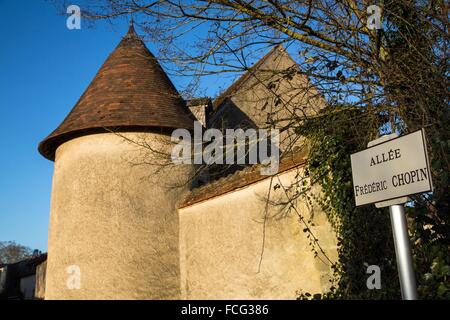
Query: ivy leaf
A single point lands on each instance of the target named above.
(442, 289)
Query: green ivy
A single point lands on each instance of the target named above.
(364, 233)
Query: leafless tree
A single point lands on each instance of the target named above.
(395, 75)
(11, 252)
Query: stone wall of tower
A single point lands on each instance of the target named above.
(113, 219)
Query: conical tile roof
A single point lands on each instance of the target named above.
(130, 92)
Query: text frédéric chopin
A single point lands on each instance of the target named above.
(397, 180)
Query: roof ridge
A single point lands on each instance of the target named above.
(240, 179)
(245, 76)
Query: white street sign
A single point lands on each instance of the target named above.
(391, 169)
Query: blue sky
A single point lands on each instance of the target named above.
(45, 68)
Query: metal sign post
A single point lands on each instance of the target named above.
(403, 252)
(390, 169)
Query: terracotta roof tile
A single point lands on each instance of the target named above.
(130, 90)
(240, 179)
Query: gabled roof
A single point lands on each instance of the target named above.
(130, 90)
(231, 90)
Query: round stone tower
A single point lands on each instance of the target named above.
(113, 221)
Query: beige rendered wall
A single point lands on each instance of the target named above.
(221, 241)
(114, 218)
(39, 291)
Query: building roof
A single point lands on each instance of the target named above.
(231, 90)
(241, 179)
(130, 91)
(195, 102)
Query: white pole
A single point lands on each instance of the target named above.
(403, 253)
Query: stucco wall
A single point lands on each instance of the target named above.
(221, 242)
(41, 269)
(114, 218)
